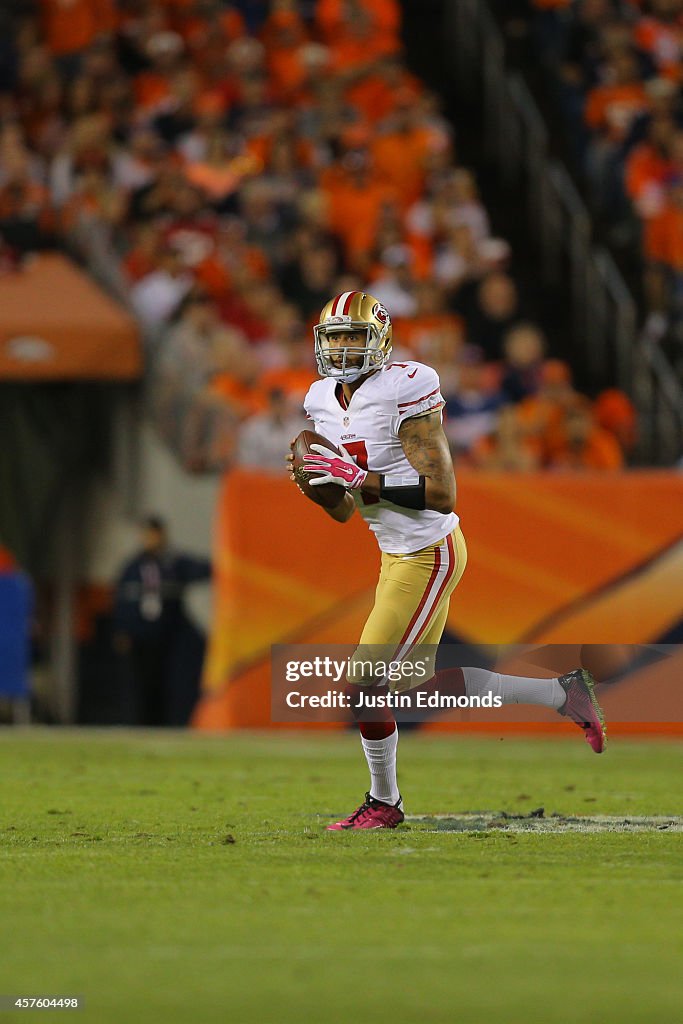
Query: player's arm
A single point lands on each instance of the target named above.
(342, 512)
(426, 449)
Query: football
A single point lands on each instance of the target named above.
(327, 495)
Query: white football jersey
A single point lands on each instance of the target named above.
(368, 429)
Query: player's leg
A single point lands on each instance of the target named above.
(411, 605)
(413, 592)
(379, 737)
(479, 682)
(414, 597)
(470, 681)
(571, 694)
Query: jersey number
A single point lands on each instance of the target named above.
(359, 452)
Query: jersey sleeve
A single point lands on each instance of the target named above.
(309, 405)
(418, 392)
(312, 407)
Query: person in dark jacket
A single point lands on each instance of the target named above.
(162, 647)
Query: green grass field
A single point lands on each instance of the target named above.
(169, 877)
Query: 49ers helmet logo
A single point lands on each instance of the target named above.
(380, 313)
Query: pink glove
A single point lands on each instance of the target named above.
(333, 469)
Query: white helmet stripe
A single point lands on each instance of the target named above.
(339, 304)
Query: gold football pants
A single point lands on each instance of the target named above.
(409, 615)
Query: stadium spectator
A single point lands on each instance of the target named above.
(264, 436)
(615, 412)
(620, 88)
(472, 405)
(507, 447)
(394, 284)
(286, 354)
(357, 195)
(359, 31)
(88, 145)
(70, 28)
(187, 372)
(221, 170)
(583, 43)
(433, 335)
(542, 414)
(584, 445)
(184, 357)
(495, 311)
(611, 109)
(451, 202)
(308, 279)
(234, 384)
(228, 167)
(658, 34)
(159, 293)
(27, 220)
(648, 165)
(522, 366)
(664, 249)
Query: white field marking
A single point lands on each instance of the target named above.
(496, 822)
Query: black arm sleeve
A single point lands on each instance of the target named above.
(407, 496)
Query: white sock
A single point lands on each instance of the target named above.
(514, 689)
(381, 758)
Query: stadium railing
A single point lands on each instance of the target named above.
(659, 396)
(604, 311)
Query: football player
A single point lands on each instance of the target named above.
(397, 471)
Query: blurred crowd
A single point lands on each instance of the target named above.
(618, 66)
(243, 162)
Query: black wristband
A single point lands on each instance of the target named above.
(407, 496)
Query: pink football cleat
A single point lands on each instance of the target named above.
(582, 707)
(371, 814)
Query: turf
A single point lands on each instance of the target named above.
(175, 877)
